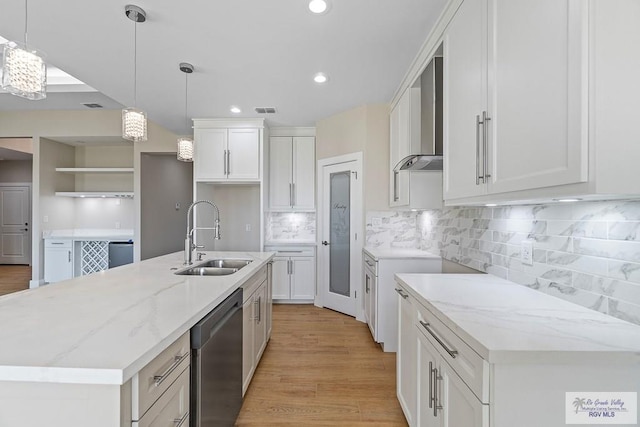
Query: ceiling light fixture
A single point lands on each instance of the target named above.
(320, 78)
(185, 143)
(491, 205)
(568, 200)
(24, 72)
(134, 120)
(318, 6)
(235, 110)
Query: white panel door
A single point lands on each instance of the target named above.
(243, 154)
(304, 172)
(537, 93)
(303, 278)
(465, 88)
(280, 278)
(280, 172)
(210, 147)
(15, 214)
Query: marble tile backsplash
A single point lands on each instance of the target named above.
(290, 226)
(587, 253)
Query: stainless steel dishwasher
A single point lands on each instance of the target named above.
(216, 365)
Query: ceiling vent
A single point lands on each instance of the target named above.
(265, 110)
(92, 105)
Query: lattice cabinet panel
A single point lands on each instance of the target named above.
(94, 256)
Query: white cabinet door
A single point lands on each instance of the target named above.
(248, 339)
(406, 357)
(465, 88)
(260, 319)
(243, 154)
(281, 282)
(537, 93)
(427, 359)
(368, 308)
(405, 137)
(303, 278)
(209, 154)
(304, 173)
(460, 407)
(280, 175)
(58, 264)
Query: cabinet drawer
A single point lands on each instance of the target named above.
(291, 251)
(172, 408)
(61, 243)
(155, 378)
(370, 262)
(250, 286)
(471, 368)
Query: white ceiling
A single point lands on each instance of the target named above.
(250, 53)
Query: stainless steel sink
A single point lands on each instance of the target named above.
(215, 267)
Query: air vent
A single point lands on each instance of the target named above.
(92, 105)
(265, 110)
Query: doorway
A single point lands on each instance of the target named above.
(15, 220)
(340, 234)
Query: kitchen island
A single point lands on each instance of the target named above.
(70, 350)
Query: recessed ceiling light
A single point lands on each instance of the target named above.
(320, 78)
(318, 6)
(490, 205)
(567, 200)
(235, 110)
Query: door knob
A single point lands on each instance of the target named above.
(24, 229)
(325, 243)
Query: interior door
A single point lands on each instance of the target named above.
(15, 235)
(339, 233)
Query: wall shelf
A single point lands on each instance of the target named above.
(95, 170)
(96, 194)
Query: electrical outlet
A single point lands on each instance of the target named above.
(376, 221)
(117, 225)
(526, 252)
(247, 227)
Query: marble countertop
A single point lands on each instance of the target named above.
(508, 323)
(89, 234)
(390, 253)
(104, 327)
(290, 243)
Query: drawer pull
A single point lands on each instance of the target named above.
(177, 360)
(430, 384)
(426, 325)
(402, 294)
(370, 264)
(179, 421)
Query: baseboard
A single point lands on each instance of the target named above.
(36, 283)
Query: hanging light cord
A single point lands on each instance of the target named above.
(135, 62)
(186, 99)
(26, 12)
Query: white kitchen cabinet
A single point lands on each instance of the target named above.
(406, 359)
(58, 260)
(294, 274)
(255, 323)
(226, 154)
(292, 173)
(510, 123)
(380, 308)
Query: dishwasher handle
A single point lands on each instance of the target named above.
(212, 322)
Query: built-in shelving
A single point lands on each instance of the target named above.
(95, 170)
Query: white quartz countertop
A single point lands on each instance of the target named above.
(89, 234)
(508, 323)
(390, 253)
(104, 327)
(290, 243)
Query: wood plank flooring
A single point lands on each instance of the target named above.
(14, 278)
(321, 368)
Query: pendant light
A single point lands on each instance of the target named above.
(185, 143)
(24, 72)
(134, 120)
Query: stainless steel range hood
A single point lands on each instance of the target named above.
(430, 156)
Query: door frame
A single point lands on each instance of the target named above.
(357, 229)
(29, 185)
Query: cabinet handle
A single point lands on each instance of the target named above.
(228, 162)
(293, 194)
(369, 263)
(259, 309)
(478, 176)
(290, 195)
(402, 294)
(69, 255)
(430, 384)
(179, 421)
(451, 352)
(366, 283)
(395, 186)
(485, 128)
(436, 406)
(292, 266)
(225, 162)
(159, 379)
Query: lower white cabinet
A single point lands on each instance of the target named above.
(406, 362)
(58, 260)
(255, 325)
(294, 274)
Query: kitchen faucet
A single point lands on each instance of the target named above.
(189, 246)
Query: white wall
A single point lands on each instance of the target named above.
(15, 170)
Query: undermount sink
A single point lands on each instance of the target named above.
(215, 267)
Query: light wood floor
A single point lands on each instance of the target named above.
(321, 368)
(14, 278)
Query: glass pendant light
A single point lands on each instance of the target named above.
(24, 72)
(134, 120)
(185, 143)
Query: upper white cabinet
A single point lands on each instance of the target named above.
(226, 154)
(515, 112)
(292, 173)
